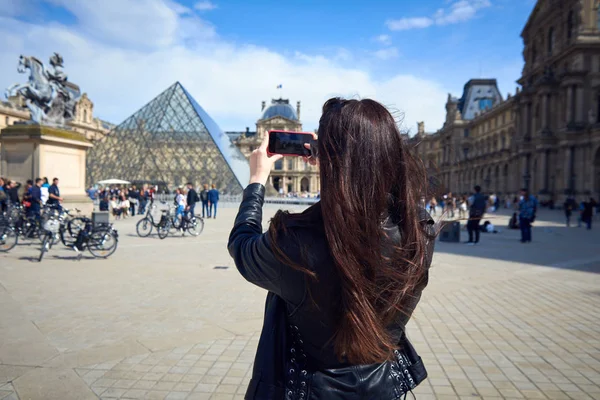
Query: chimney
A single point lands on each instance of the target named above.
(247, 130)
(420, 128)
(263, 106)
(298, 109)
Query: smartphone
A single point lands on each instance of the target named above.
(292, 143)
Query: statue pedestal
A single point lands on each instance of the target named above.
(32, 151)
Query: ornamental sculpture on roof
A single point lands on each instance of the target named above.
(48, 96)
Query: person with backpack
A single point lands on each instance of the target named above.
(204, 200)
(192, 199)
(478, 204)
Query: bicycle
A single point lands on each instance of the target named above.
(100, 240)
(194, 226)
(145, 225)
(9, 237)
(50, 228)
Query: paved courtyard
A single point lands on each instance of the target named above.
(157, 320)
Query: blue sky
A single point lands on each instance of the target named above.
(232, 54)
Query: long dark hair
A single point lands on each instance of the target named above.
(368, 174)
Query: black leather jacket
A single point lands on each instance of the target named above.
(317, 371)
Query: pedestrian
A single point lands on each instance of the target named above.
(180, 203)
(35, 199)
(134, 199)
(191, 200)
(213, 199)
(478, 203)
(204, 200)
(568, 208)
(124, 204)
(12, 190)
(45, 191)
(341, 284)
(54, 198)
(527, 214)
(588, 212)
(433, 206)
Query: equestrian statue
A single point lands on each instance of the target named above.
(48, 96)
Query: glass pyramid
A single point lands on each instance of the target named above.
(169, 142)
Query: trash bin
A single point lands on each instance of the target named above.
(450, 231)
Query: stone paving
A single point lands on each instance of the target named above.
(501, 320)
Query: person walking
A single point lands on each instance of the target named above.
(527, 213)
(213, 200)
(478, 203)
(134, 199)
(587, 215)
(204, 200)
(568, 208)
(338, 304)
(192, 199)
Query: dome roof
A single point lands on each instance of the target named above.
(280, 108)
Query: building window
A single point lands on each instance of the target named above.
(7, 121)
(290, 164)
(485, 104)
(279, 165)
(84, 115)
(466, 153)
(466, 132)
(570, 26)
(503, 141)
(550, 40)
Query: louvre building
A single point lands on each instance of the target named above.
(169, 141)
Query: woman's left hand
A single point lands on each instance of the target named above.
(261, 163)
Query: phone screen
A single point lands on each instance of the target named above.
(290, 143)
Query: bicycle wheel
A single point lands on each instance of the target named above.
(45, 247)
(195, 226)
(75, 225)
(144, 227)
(163, 228)
(102, 243)
(8, 239)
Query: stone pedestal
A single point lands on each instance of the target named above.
(32, 151)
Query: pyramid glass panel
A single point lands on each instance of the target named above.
(170, 141)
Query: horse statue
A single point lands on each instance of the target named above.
(50, 99)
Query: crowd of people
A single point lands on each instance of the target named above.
(33, 197)
(123, 201)
(473, 207)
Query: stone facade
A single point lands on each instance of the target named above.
(291, 174)
(547, 136)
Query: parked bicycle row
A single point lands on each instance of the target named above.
(56, 225)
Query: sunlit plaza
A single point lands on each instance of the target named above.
(173, 319)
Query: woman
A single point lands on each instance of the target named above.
(180, 203)
(345, 275)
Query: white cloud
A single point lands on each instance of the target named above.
(458, 11)
(387, 53)
(404, 24)
(205, 6)
(228, 79)
(384, 39)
